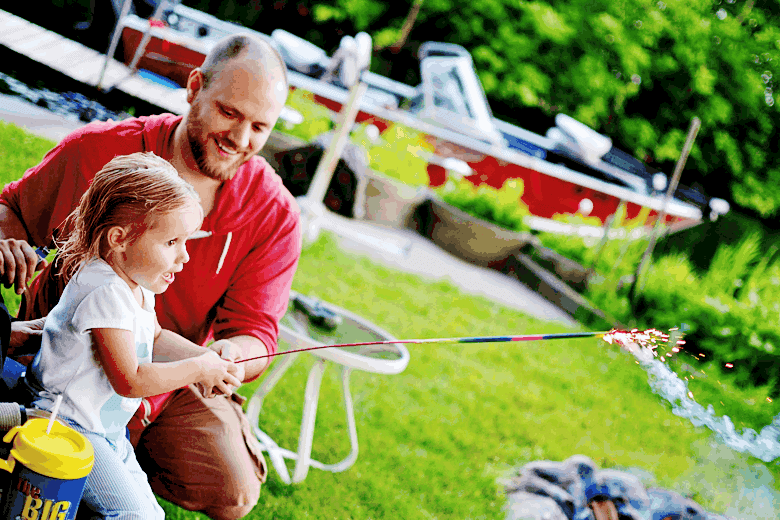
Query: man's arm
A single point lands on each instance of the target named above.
(33, 206)
(10, 225)
(27, 334)
(258, 296)
(243, 347)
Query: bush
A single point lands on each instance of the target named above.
(729, 313)
(502, 207)
(317, 119)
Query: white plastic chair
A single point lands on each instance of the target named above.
(296, 337)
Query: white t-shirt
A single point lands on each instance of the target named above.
(68, 364)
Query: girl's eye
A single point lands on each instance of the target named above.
(172, 242)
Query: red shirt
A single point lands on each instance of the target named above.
(254, 226)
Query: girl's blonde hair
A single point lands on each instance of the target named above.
(131, 191)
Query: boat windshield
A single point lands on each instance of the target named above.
(448, 90)
(453, 96)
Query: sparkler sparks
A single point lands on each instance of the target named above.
(646, 339)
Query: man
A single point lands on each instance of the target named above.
(199, 452)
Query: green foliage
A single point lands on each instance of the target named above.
(501, 207)
(317, 119)
(730, 311)
(399, 153)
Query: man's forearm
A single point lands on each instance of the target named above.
(251, 347)
(11, 226)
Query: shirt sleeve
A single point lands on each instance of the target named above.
(44, 197)
(260, 288)
(109, 306)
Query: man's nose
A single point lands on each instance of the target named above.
(242, 135)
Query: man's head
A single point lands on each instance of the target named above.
(235, 98)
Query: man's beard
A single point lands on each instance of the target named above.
(198, 148)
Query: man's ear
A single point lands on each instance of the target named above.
(194, 84)
(117, 239)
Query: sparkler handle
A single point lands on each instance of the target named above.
(479, 339)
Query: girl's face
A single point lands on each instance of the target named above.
(152, 260)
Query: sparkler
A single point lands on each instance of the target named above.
(646, 339)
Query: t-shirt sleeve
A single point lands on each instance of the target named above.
(109, 306)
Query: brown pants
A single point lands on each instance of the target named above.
(200, 454)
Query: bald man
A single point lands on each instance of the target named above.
(196, 447)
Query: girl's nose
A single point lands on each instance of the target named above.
(184, 257)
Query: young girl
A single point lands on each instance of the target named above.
(127, 243)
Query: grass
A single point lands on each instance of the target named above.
(436, 439)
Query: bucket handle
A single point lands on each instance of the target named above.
(8, 465)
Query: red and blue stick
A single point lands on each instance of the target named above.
(478, 339)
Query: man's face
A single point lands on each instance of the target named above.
(230, 121)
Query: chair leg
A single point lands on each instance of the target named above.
(302, 457)
(350, 459)
(271, 379)
(350, 411)
(307, 424)
(275, 453)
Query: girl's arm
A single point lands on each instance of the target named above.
(116, 351)
(169, 346)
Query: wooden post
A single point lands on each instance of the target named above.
(327, 165)
(692, 131)
(607, 228)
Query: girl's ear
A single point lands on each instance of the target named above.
(116, 238)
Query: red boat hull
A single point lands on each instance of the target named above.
(162, 57)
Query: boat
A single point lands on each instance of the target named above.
(572, 170)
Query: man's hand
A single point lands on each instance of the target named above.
(219, 377)
(18, 263)
(232, 352)
(26, 336)
(229, 351)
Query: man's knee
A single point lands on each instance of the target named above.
(236, 502)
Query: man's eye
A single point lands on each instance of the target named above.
(172, 242)
(227, 112)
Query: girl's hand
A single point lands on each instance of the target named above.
(232, 352)
(216, 375)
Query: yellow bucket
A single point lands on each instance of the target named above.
(47, 471)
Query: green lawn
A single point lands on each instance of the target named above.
(436, 439)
